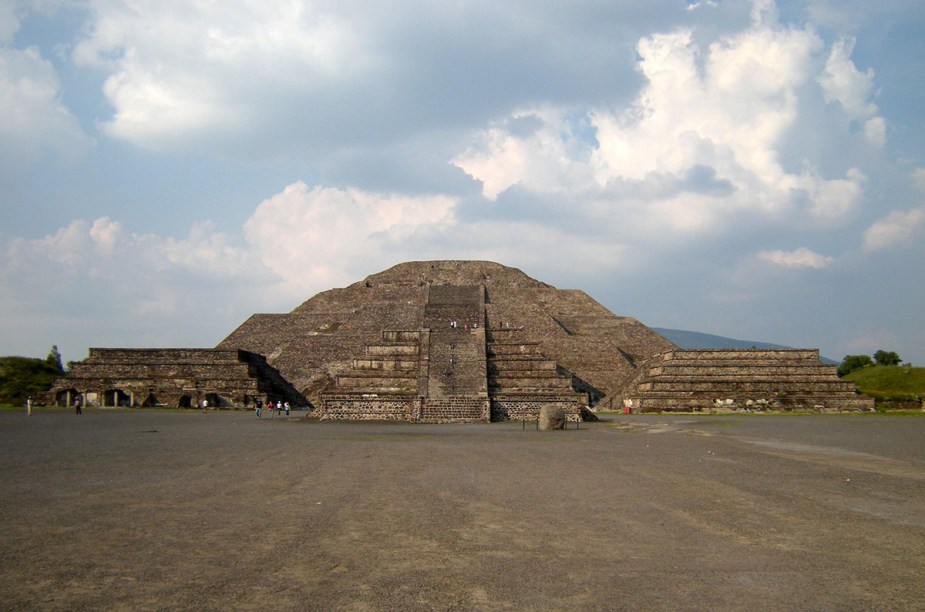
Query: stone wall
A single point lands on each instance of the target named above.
(372, 407)
(456, 409)
(527, 407)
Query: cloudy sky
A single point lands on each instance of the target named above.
(748, 169)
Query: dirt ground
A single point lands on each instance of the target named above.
(136, 510)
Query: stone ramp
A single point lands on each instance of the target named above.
(457, 388)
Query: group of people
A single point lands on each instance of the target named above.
(274, 408)
(455, 325)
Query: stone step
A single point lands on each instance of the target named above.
(742, 370)
(740, 355)
(528, 376)
(392, 350)
(748, 385)
(397, 336)
(513, 349)
(696, 403)
(390, 383)
(522, 365)
(741, 394)
(407, 365)
(536, 389)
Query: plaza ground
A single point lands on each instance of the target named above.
(121, 509)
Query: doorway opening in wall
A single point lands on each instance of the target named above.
(116, 398)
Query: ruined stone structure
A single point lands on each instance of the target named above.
(181, 378)
(453, 341)
(733, 380)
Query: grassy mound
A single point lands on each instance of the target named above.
(896, 384)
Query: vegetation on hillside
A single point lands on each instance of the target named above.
(852, 363)
(883, 378)
(894, 383)
(21, 377)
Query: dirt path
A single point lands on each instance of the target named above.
(164, 510)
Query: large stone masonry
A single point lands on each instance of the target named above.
(449, 358)
(317, 341)
(172, 377)
(741, 380)
(521, 380)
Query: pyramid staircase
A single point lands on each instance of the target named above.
(449, 372)
(521, 379)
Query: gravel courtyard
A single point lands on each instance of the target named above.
(119, 509)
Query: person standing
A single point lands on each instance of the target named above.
(287, 408)
(29, 406)
(77, 404)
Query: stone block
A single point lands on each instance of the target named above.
(551, 417)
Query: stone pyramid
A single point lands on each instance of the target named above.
(323, 346)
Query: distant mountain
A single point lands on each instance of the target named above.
(697, 340)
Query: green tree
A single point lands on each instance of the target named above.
(854, 362)
(54, 358)
(887, 358)
(21, 377)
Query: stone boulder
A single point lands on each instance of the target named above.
(551, 417)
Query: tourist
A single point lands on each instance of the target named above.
(77, 402)
(287, 408)
(258, 406)
(29, 406)
(271, 408)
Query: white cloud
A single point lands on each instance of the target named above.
(105, 233)
(181, 71)
(693, 6)
(539, 148)
(843, 83)
(312, 238)
(875, 131)
(918, 178)
(799, 258)
(33, 118)
(710, 121)
(9, 21)
(101, 259)
(898, 228)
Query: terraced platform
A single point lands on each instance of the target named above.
(747, 380)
